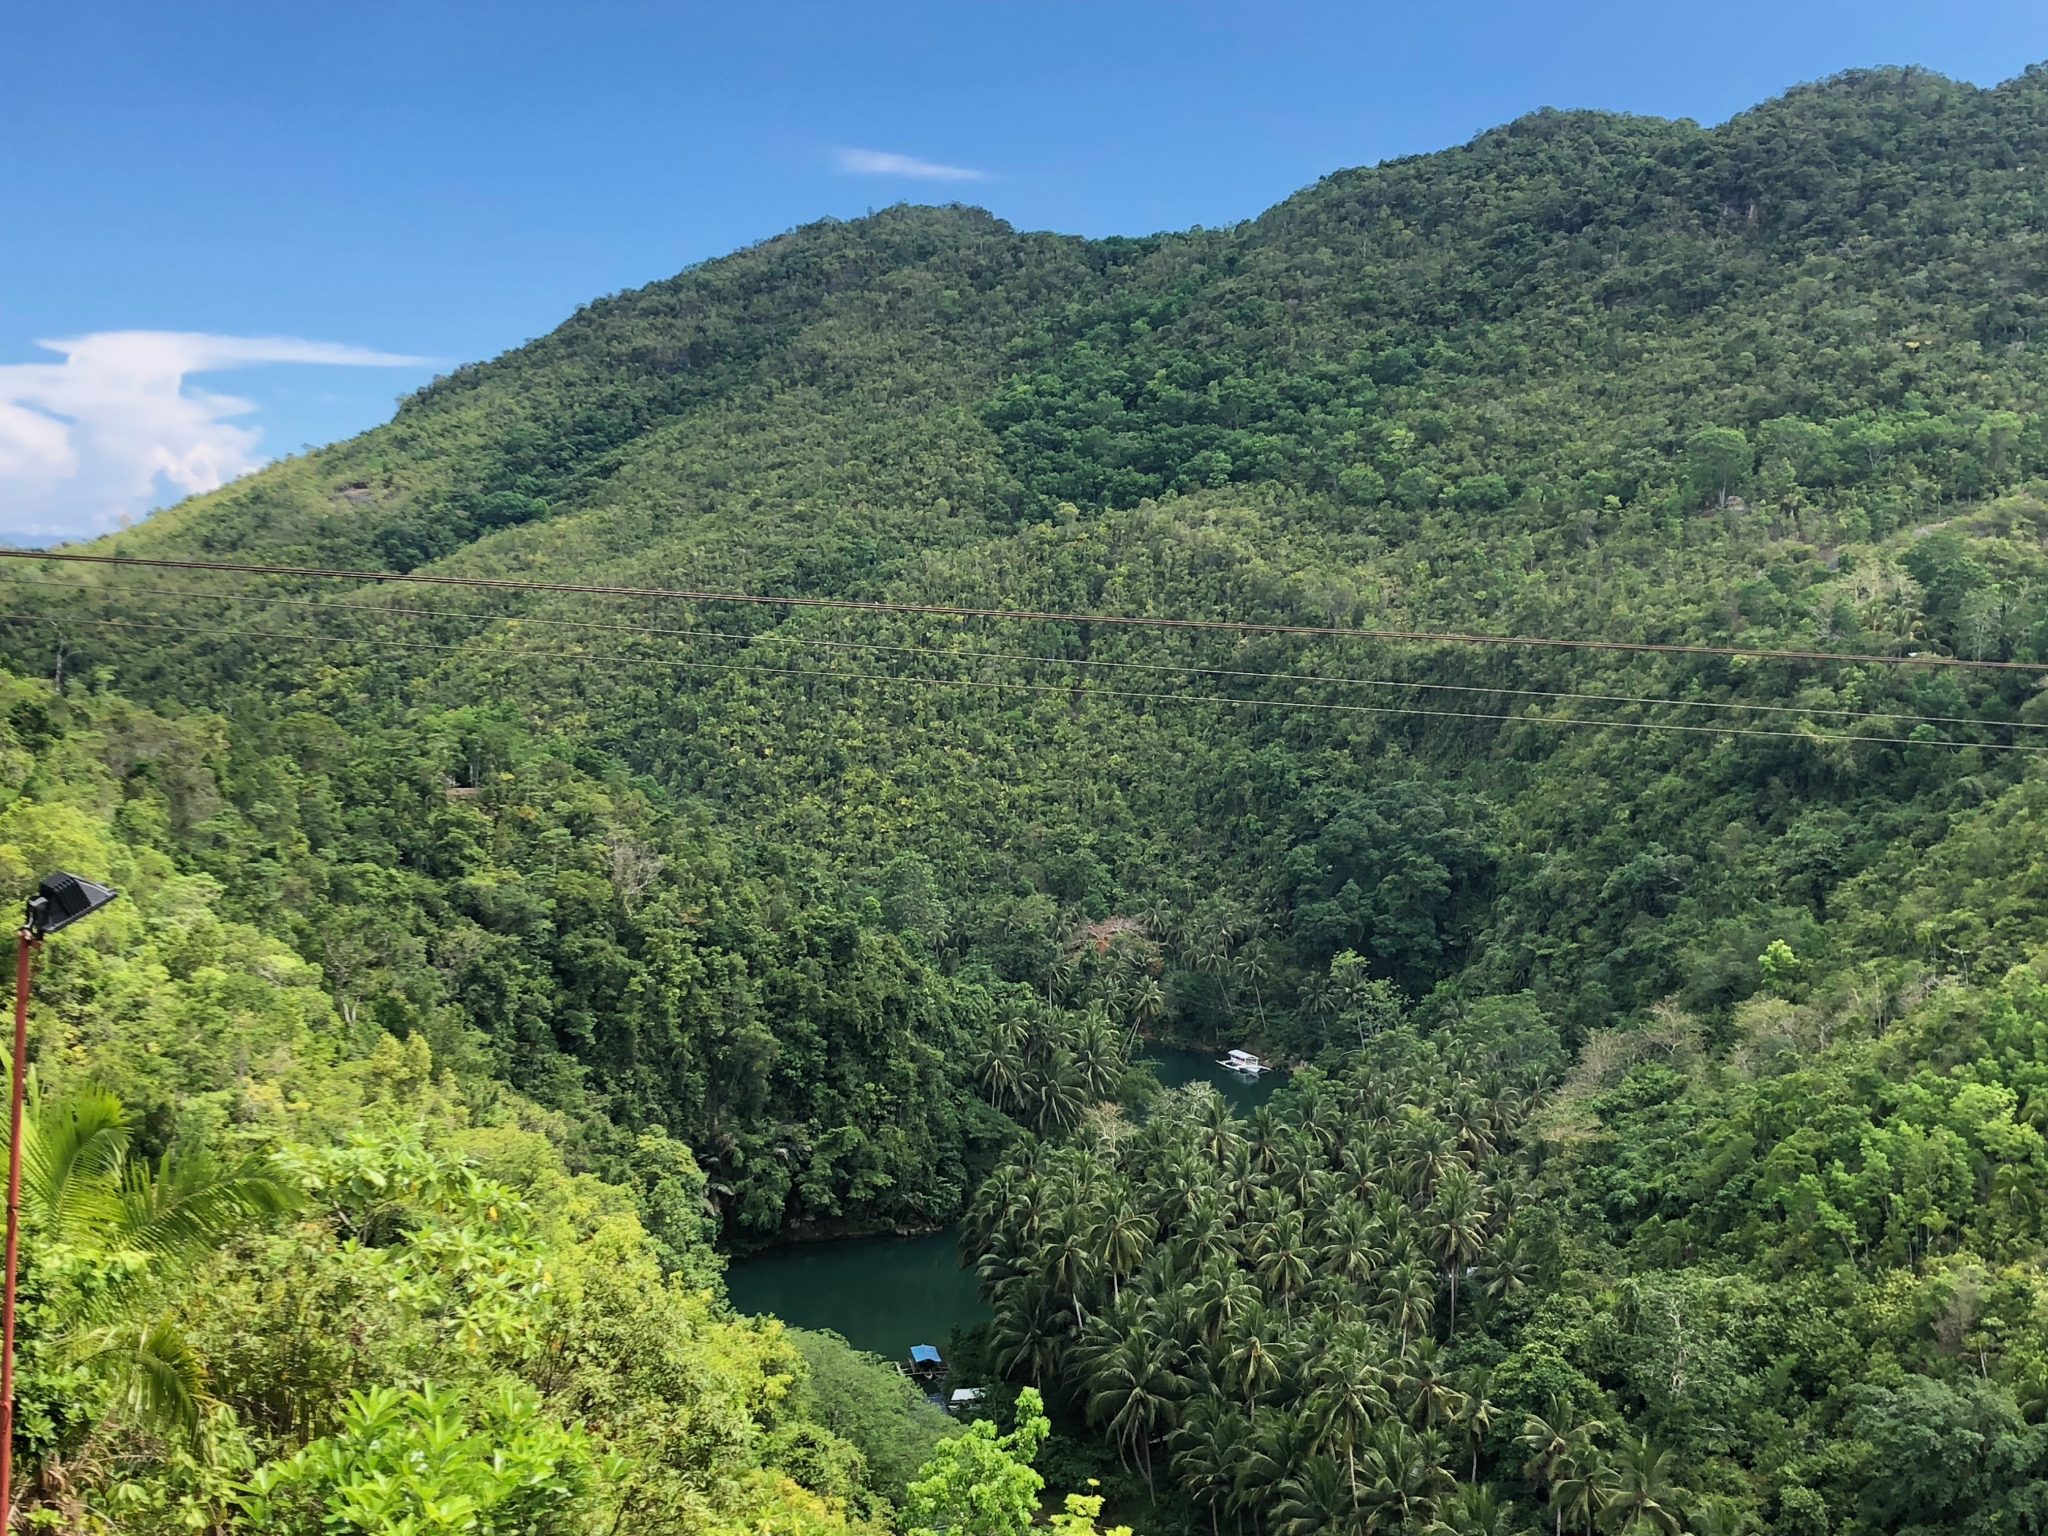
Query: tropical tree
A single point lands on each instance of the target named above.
(1476, 1509)
(1210, 1446)
(1134, 1390)
(1406, 1301)
(1350, 1250)
(131, 1225)
(1122, 1236)
(1098, 1052)
(1315, 1501)
(1252, 1362)
(1283, 1256)
(1583, 1484)
(1346, 1398)
(1423, 1381)
(491, 1462)
(1029, 1332)
(1550, 1443)
(1509, 1266)
(1478, 1414)
(1219, 1130)
(1643, 1497)
(1146, 1005)
(1403, 1481)
(981, 1482)
(1457, 1225)
(999, 1062)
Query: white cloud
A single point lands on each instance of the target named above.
(879, 162)
(111, 430)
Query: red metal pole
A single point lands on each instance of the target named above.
(25, 946)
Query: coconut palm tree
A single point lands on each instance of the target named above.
(993, 1208)
(1122, 1236)
(1315, 1501)
(1053, 1098)
(1429, 1153)
(1509, 1266)
(1267, 1138)
(999, 1062)
(1319, 997)
(1098, 1054)
(1183, 1186)
(1456, 1224)
(1252, 1361)
(1061, 975)
(1070, 1261)
(1282, 1255)
(1223, 1295)
(1426, 1387)
(1217, 1126)
(1133, 1392)
(1204, 1233)
(1478, 1414)
(1240, 1176)
(1403, 1480)
(1210, 1449)
(1583, 1484)
(1147, 1003)
(1208, 952)
(1032, 1209)
(1249, 967)
(1407, 1301)
(1003, 1257)
(1350, 1250)
(1359, 1173)
(1643, 1497)
(1281, 1442)
(1028, 1331)
(1721, 1517)
(1347, 1398)
(1477, 1509)
(1160, 919)
(1549, 1443)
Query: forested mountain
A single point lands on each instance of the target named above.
(1672, 1154)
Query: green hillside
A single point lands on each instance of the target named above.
(1676, 1082)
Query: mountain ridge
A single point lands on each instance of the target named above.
(694, 366)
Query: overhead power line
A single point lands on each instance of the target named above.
(1030, 615)
(1178, 669)
(1070, 690)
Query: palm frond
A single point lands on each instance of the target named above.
(159, 1378)
(187, 1204)
(73, 1148)
(167, 1382)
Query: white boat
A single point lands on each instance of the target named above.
(1243, 1063)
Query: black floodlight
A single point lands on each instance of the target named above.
(62, 900)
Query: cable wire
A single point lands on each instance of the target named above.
(1077, 691)
(1030, 615)
(1183, 669)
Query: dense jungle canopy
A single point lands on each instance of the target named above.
(1668, 1150)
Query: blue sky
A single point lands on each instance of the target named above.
(415, 185)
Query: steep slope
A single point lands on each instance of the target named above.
(1673, 1155)
(1585, 375)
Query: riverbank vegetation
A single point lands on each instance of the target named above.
(285, 1272)
(1671, 1155)
(1784, 1280)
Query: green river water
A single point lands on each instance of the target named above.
(888, 1293)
